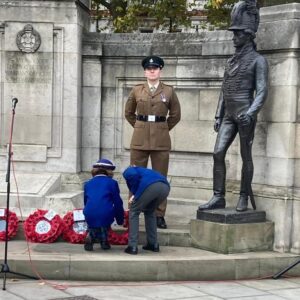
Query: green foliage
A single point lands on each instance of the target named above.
(129, 17)
(171, 14)
(131, 20)
(219, 15)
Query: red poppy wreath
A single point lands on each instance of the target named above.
(75, 227)
(12, 224)
(116, 238)
(43, 226)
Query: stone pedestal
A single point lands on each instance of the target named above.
(231, 216)
(227, 231)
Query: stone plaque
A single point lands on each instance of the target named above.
(28, 70)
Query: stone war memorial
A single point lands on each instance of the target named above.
(72, 86)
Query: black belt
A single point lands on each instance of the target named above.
(150, 118)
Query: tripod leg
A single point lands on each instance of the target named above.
(23, 275)
(279, 274)
(5, 270)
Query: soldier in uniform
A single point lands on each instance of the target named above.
(153, 110)
(243, 94)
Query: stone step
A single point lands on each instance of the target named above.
(63, 261)
(166, 237)
(180, 212)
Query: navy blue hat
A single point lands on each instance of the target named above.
(104, 164)
(153, 61)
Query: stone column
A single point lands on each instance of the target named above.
(91, 102)
(279, 39)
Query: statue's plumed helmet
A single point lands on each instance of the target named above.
(245, 16)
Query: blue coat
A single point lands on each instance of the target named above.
(102, 202)
(139, 178)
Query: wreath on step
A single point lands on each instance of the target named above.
(43, 226)
(13, 222)
(75, 229)
(116, 238)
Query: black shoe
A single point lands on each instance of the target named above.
(242, 203)
(88, 243)
(154, 248)
(105, 245)
(161, 223)
(214, 203)
(131, 250)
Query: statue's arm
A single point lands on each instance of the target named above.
(219, 112)
(130, 108)
(261, 87)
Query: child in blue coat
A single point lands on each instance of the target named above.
(102, 204)
(149, 188)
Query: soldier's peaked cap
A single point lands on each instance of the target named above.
(153, 61)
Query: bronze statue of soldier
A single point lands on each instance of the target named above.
(243, 94)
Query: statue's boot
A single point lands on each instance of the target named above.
(242, 203)
(218, 199)
(215, 202)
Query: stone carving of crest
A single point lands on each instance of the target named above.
(28, 40)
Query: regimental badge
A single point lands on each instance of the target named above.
(163, 97)
(28, 40)
(151, 60)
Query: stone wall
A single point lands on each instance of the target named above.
(42, 68)
(194, 64)
(72, 88)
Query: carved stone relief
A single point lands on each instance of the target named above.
(28, 40)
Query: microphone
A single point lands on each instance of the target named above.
(14, 102)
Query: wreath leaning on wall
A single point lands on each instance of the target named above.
(13, 222)
(43, 226)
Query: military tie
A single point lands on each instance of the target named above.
(152, 89)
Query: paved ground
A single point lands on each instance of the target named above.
(267, 289)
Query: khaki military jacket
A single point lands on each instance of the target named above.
(163, 103)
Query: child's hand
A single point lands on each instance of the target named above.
(131, 199)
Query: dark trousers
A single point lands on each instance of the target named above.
(100, 234)
(159, 162)
(153, 195)
(227, 133)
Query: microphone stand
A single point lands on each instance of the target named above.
(4, 267)
(279, 274)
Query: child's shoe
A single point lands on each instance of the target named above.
(105, 245)
(88, 243)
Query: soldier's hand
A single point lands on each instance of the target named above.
(245, 119)
(217, 124)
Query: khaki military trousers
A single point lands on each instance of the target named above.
(159, 162)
